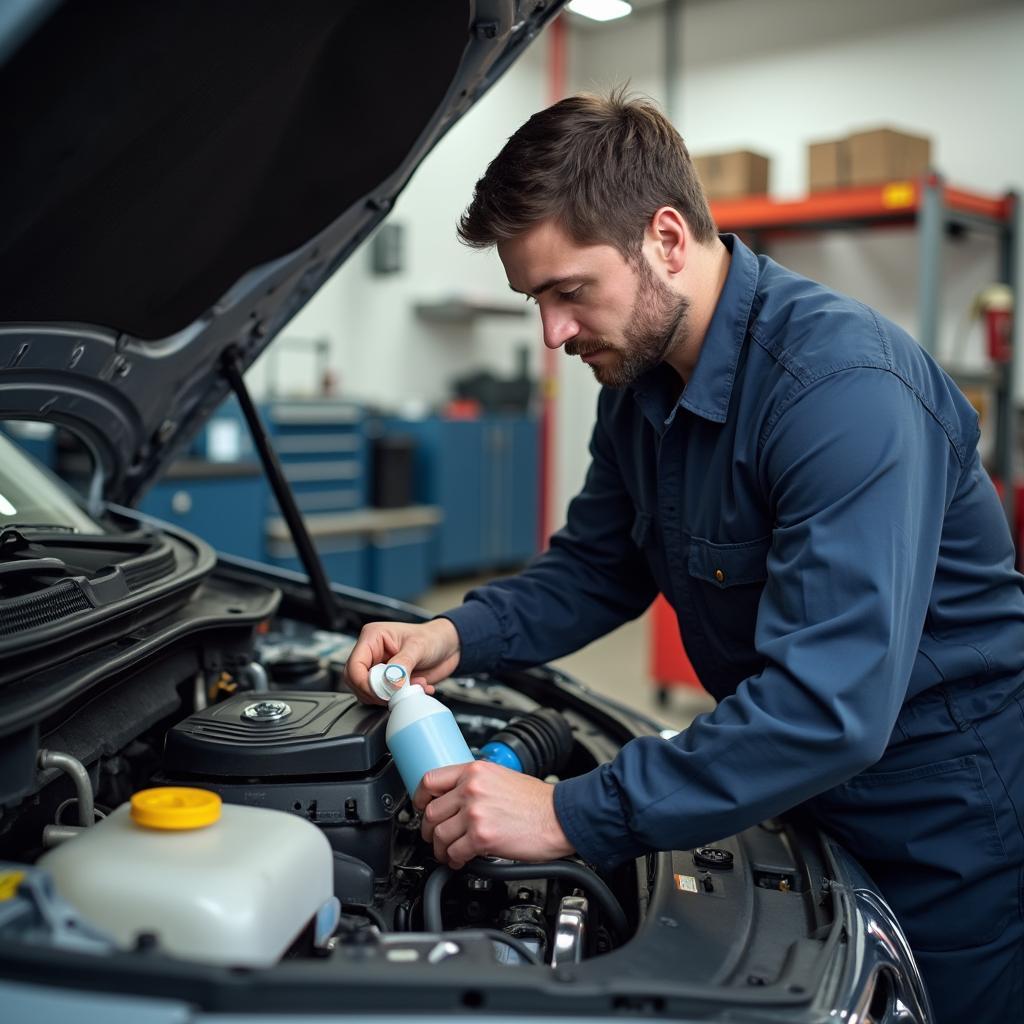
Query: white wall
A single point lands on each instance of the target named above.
(380, 350)
(766, 74)
(773, 75)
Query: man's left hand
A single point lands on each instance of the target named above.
(481, 809)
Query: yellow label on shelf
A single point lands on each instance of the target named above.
(9, 882)
(897, 194)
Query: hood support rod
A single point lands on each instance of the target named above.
(285, 499)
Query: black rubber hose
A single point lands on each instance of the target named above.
(375, 916)
(402, 917)
(432, 898)
(563, 869)
(541, 740)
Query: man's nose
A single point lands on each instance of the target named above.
(559, 327)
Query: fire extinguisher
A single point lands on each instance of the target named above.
(994, 305)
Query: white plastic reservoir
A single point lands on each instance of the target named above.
(217, 883)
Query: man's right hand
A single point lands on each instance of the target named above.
(429, 652)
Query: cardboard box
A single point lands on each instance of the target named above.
(733, 175)
(826, 165)
(882, 155)
(867, 158)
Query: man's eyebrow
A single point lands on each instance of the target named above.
(551, 282)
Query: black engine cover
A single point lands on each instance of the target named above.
(319, 755)
(297, 733)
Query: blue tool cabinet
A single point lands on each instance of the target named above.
(484, 476)
(323, 447)
(383, 550)
(345, 557)
(401, 561)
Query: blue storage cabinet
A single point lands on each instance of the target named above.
(346, 558)
(401, 562)
(449, 474)
(322, 446)
(520, 489)
(383, 550)
(402, 546)
(484, 476)
(224, 503)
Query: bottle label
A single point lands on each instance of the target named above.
(430, 742)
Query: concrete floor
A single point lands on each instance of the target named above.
(615, 665)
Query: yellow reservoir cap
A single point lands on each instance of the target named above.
(175, 807)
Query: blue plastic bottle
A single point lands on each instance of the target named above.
(422, 733)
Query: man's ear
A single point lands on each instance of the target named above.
(668, 239)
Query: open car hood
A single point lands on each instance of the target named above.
(179, 179)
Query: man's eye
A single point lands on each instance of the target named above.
(573, 295)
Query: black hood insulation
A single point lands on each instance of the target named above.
(199, 140)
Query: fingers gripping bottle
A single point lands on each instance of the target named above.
(422, 733)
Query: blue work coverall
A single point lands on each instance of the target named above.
(813, 506)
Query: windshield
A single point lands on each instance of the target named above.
(30, 496)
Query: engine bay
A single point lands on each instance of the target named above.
(249, 703)
(281, 733)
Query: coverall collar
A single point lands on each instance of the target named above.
(710, 388)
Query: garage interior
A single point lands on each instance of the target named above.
(433, 442)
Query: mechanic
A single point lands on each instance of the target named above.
(802, 482)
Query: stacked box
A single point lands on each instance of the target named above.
(732, 175)
(867, 158)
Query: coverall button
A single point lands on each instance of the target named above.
(719, 575)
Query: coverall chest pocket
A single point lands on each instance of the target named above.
(726, 581)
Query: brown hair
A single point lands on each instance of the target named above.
(598, 166)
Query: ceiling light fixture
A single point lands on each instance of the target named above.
(601, 10)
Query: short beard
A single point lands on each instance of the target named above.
(657, 323)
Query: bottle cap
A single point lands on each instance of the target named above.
(387, 680)
(175, 807)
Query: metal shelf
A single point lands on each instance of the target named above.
(895, 202)
(930, 206)
(464, 311)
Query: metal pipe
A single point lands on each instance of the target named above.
(673, 57)
(80, 777)
(929, 233)
(54, 835)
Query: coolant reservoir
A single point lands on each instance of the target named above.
(223, 884)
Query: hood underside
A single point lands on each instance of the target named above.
(180, 178)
